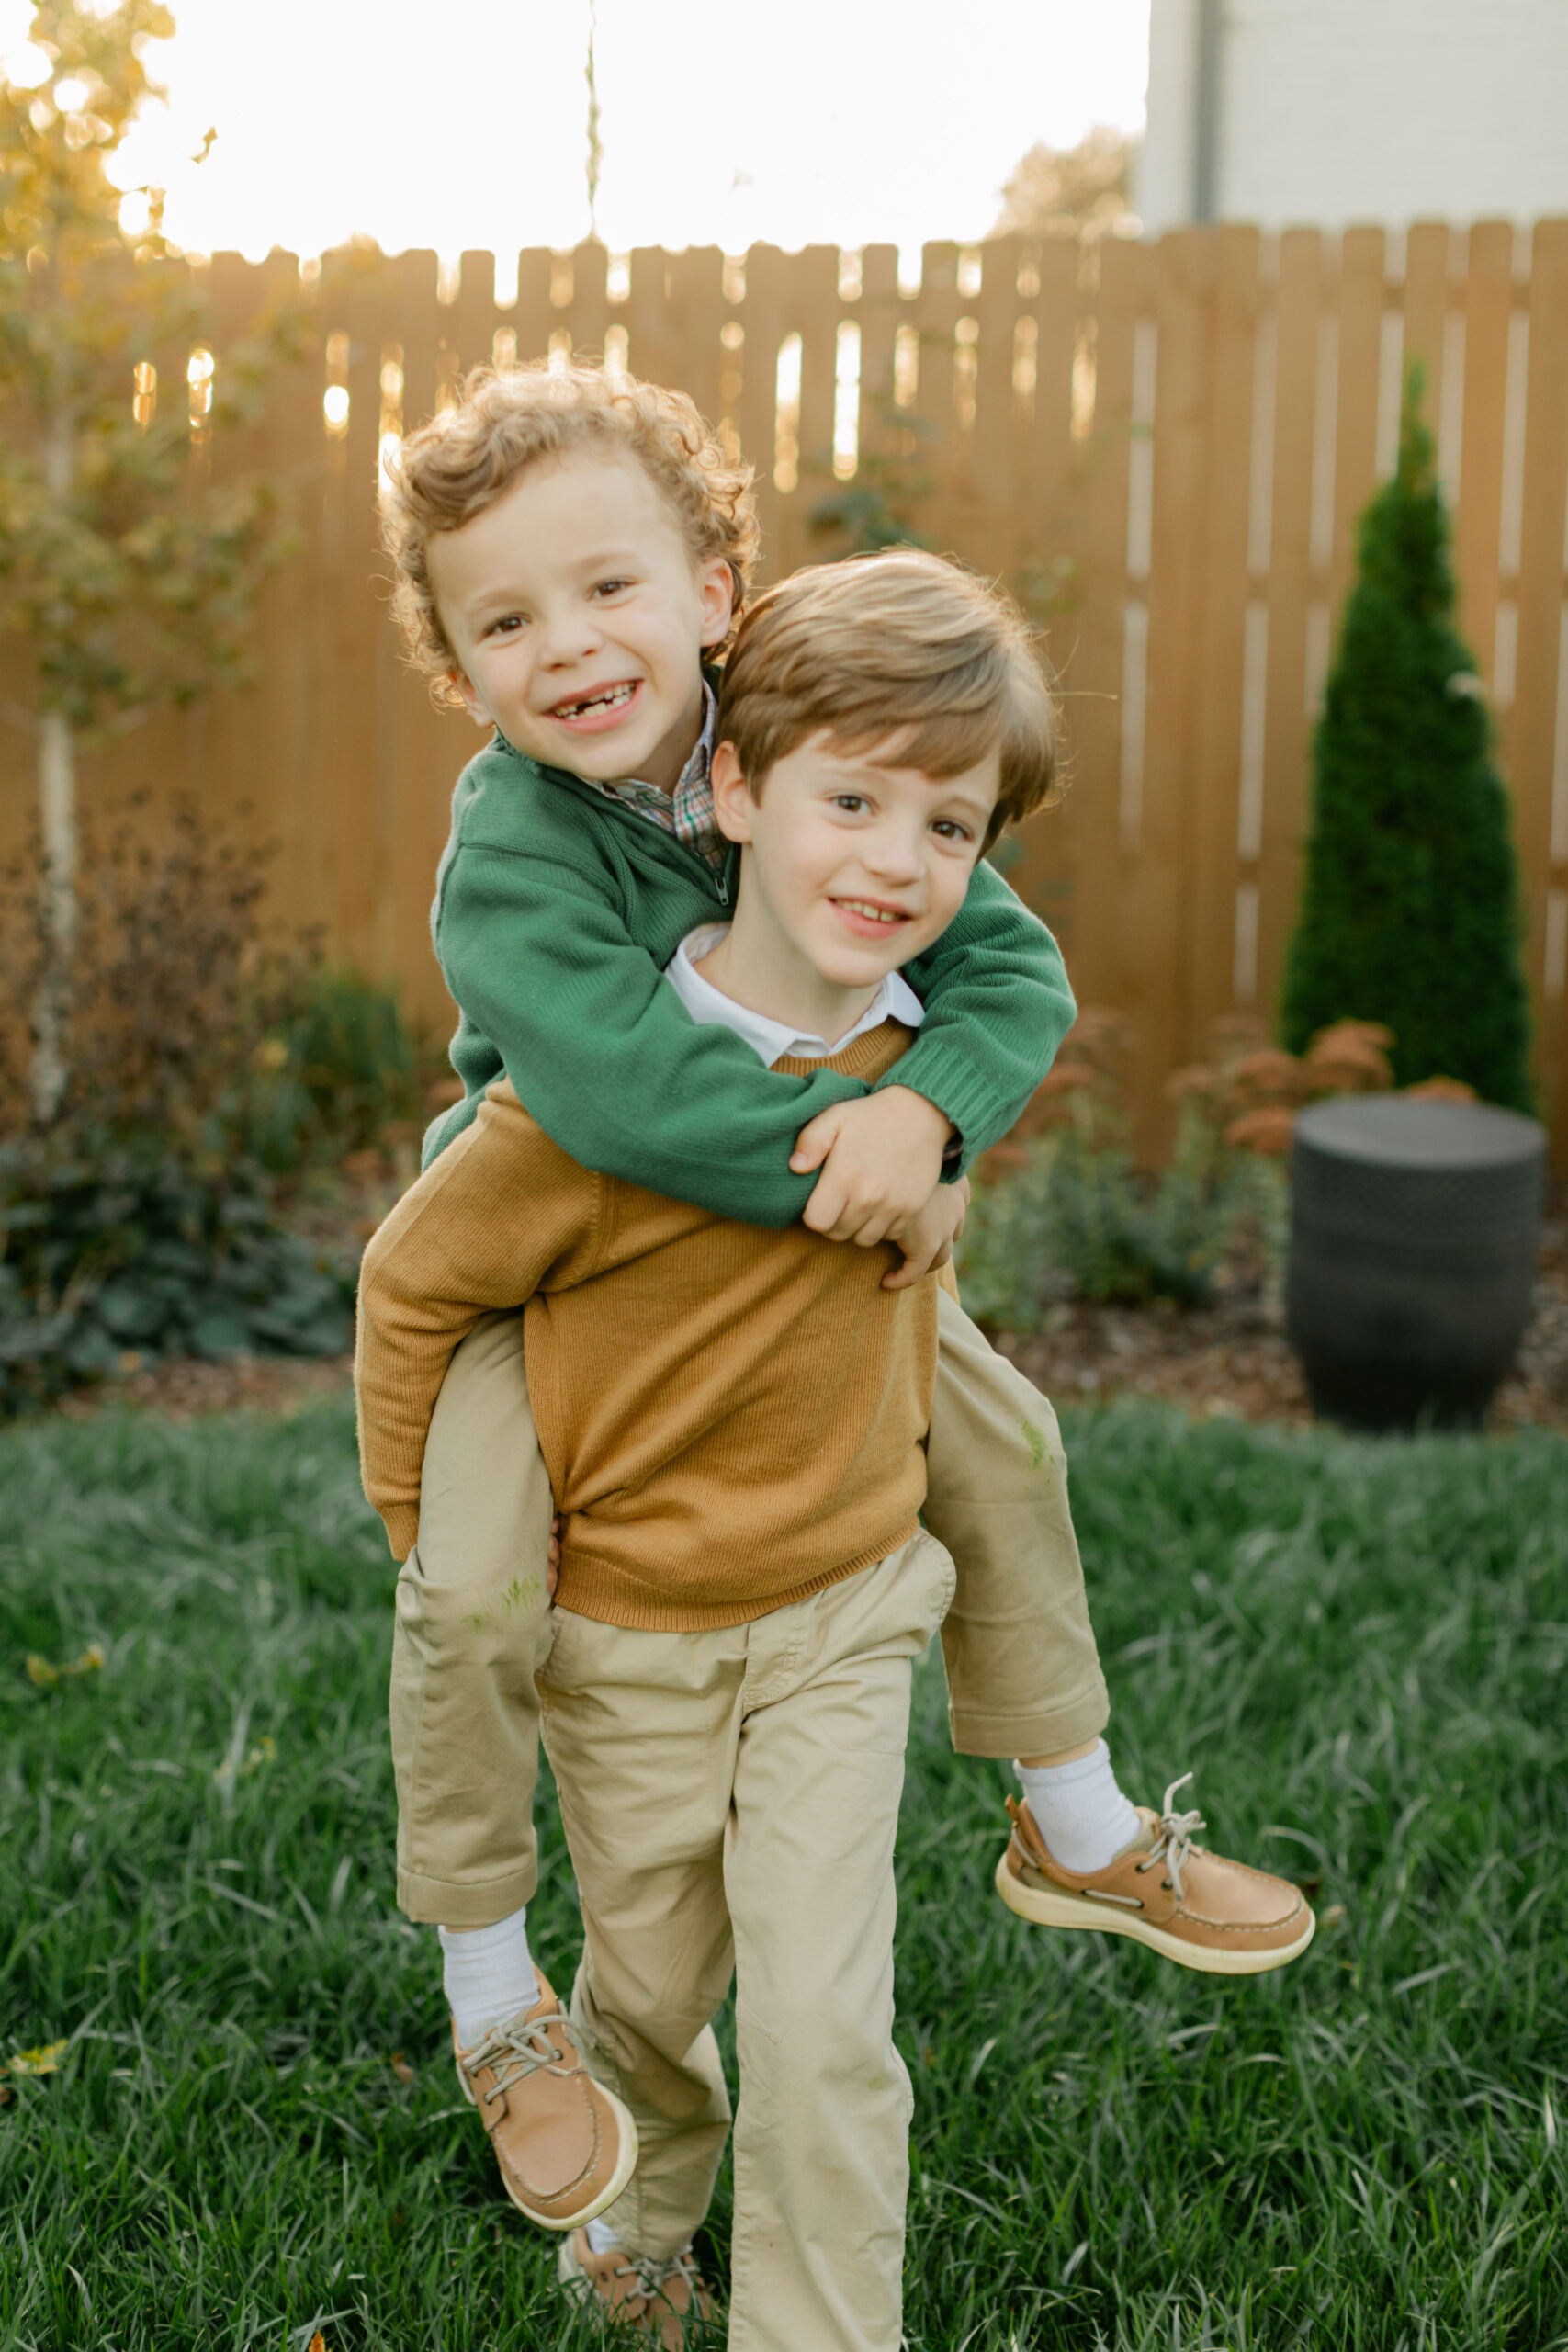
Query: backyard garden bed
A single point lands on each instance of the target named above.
(1230, 1359)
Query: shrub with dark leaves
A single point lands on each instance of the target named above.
(1062, 1211)
(138, 1221)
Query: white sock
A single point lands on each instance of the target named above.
(602, 2238)
(1079, 1810)
(488, 1976)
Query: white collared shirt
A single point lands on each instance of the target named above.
(772, 1040)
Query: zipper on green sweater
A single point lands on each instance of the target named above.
(604, 804)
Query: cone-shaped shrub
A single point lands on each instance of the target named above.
(1409, 911)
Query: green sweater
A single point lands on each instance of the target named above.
(555, 910)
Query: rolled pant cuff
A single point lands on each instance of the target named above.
(434, 1902)
(1066, 1724)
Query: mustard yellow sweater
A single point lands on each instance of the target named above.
(732, 1417)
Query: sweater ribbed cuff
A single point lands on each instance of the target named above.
(401, 1522)
(944, 1077)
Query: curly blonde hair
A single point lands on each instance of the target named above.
(508, 419)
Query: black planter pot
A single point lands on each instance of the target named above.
(1414, 1227)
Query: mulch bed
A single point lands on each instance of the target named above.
(1234, 1358)
(186, 1390)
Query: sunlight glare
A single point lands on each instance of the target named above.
(846, 401)
(199, 378)
(28, 67)
(301, 164)
(786, 414)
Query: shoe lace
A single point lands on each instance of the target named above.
(1174, 1833)
(654, 2272)
(518, 2049)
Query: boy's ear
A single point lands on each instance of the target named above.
(732, 801)
(472, 703)
(716, 595)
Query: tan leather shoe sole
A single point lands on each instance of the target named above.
(1190, 1906)
(565, 2145)
(655, 2297)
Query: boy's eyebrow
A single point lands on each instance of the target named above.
(978, 805)
(614, 558)
(502, 593)
(952, 788)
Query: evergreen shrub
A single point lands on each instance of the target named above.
(1409, 912)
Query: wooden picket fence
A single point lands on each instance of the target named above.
(1162, 447)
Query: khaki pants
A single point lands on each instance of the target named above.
(730, 1799)
(473, 1627)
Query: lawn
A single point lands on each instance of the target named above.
(252, 2133)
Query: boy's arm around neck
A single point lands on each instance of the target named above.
(604, 1053)
(482, 1229)
(998, 1006)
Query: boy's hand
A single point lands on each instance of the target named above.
(552, 1564)
(928, 1240)
(881, 1162)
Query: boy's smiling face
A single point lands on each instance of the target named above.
(852, 864)
(579, 618)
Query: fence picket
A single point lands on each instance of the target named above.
(760, 318)
(588, 318)
(936, 317)
(813, 316)
(1096, 903)
(1538, 770)
(1488, 302)
(1426, 310)
(998, 536)
(1362, 299)
(1288, 586)
(531, 317)
(1223, 950)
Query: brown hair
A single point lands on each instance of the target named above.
(462, 462)
(903, 644)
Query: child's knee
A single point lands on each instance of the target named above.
(499, 1607)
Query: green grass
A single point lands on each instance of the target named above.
(1361, 1645)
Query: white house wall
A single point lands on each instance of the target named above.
(1336, 111)
(1165, 163)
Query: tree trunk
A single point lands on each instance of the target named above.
(57, 810)
(57, 816)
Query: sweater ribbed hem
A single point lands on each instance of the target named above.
(401, 1522)
(598, 1588)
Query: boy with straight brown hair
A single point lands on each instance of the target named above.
(734, 1422)
(569, 547)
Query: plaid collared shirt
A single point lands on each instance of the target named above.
(687, 812)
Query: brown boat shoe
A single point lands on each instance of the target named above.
(1186, 1903)
(565, 2146)
(637, 2290)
